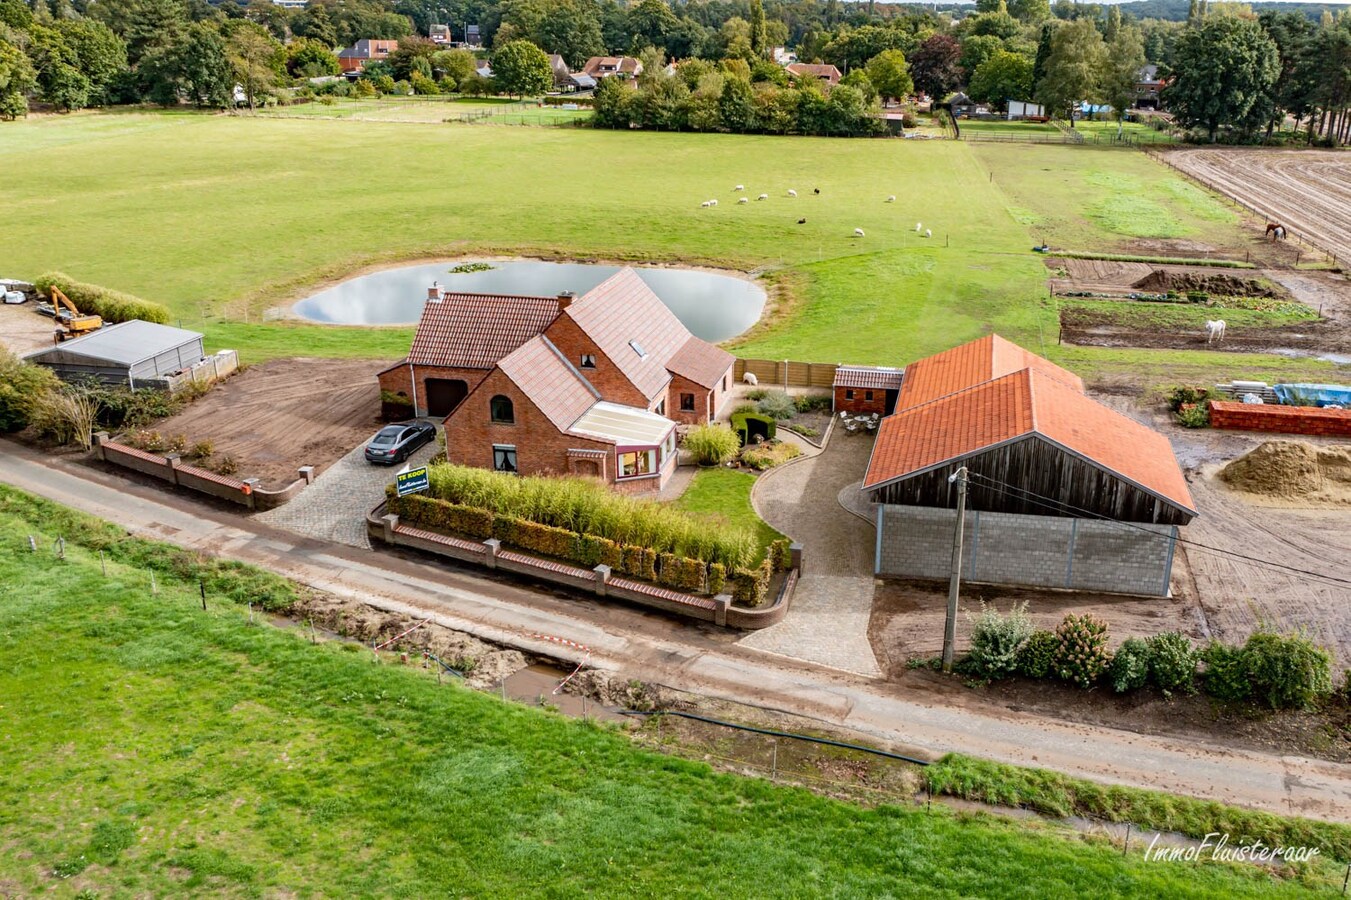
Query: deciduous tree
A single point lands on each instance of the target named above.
(1003, 77)
(935, 66)
(890, 75)
(522, 68)
(1073, 68)
(1224, 69)
(1121, 71)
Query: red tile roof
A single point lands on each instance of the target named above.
(868, 377)
(622, 314)
(701, 362)
(971, 364)
(540, 371)
(474, 331)
(1017, 405)
(816, 70)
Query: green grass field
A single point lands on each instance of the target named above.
(152, 749)
(723, 496)
(222, 217)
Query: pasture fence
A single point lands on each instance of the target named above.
(1290, 234)
(1130, 140)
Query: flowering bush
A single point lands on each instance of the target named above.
(1081, 657)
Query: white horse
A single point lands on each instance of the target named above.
(1214, 330)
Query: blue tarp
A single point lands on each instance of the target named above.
(1313, 394)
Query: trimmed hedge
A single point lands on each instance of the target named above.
(740, 419)
(681, 573)
(781, 554)
(111, 306)
(463, 520)
(750, 587)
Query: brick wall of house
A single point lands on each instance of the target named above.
(702, 401)
(722, 392)
(1281, 419)
(606, 377)
(541, 449)
(859, 402)
(398, 380)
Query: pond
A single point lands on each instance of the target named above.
(713, 307)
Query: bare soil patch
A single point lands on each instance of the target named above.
(1100, 276)
(1164, 280)
(22, 330)
(1094, 328)
(1308, 191)
(275, 417)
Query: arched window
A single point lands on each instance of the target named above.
(501, 410)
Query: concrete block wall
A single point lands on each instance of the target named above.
(1280, 419)
(1033, 551)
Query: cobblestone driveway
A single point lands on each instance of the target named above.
(334, 507)
(828, 622)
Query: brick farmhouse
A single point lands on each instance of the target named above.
(593, 385)
(1063, 492)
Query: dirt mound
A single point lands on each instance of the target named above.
(1293, 470)
(1162, 281)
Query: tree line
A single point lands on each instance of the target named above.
(1231, 73)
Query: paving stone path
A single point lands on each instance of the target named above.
(334, 507)
(828, 622)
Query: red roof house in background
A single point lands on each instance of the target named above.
(355, 57)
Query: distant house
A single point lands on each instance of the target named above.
(1148, 86)
(439, 34)
(593, 385)
(866, 389)
(562, 73)
(826, 74)
(624, 67)
(353, 59)
(783, 56)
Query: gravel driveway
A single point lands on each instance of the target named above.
(334, 507)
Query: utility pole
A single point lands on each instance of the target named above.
(955, 582)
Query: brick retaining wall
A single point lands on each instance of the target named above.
(1035, 551)
(599, 581)
(1281, 419)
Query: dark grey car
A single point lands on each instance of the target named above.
(395, 443)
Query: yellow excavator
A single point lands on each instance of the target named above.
(70, 321)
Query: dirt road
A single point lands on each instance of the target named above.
(695, 658)
(280, 415)
(1308, 191)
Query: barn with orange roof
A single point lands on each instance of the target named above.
(1062, 491)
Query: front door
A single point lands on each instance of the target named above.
(444, 394)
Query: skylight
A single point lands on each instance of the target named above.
(638, 348)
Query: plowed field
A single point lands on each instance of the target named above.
(1308, 191)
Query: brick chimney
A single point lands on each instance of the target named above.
(434, 292)
(565, 299)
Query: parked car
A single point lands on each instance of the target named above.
(395, 443)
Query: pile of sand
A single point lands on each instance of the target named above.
(1293, 470)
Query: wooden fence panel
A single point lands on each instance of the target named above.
(787, 373)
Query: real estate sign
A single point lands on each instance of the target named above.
(412, 481)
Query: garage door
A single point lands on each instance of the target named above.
(444, 394)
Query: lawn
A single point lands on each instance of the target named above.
(217, 757)
(723, 496)
(224, 217)
(1002, 126)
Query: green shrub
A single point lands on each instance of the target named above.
(804, 430)
(813, 402)
(717, 578)
(1287, 671)
(750, 587)
(1172, 662)
(111, 306)
(1129, 669)
(681, 573)
(996, 639)
(1194, 416)
(598, 551)
(545, 540)
(639, 562)
(739, 420)
(1197, 297)
(1081, 656)
(587, 507)
(1226, 673)
(712, 444)
(1185, 395)
(1037, 654)
(767, 456)
(777, 405)
(23, 388)
(464, 521)
(758, 393)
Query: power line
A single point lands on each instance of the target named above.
(1057, 505)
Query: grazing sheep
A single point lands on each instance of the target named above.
(713, 203)
(802, 221)
(762, 197)
(750, 379)
(739, 187)
(816, 190)
(928, 232)
(891, 199)
(858, 232)
(792, 193)
(919, 226)
(744, 200)
(1214, 330)
(705, 205)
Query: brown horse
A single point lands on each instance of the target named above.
(1276, 230)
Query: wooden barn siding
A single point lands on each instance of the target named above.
(1042, 469)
